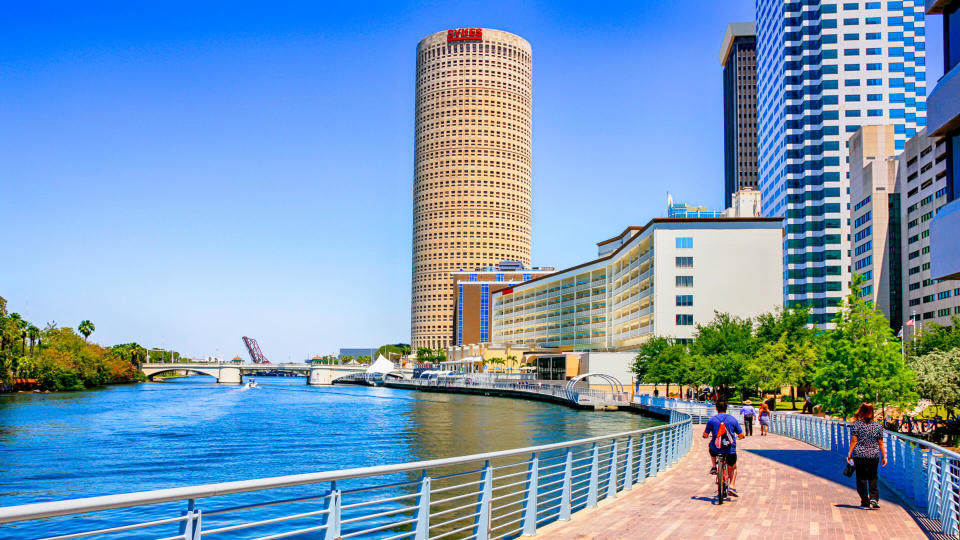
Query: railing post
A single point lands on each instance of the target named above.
(674, 439)
(612, 480)
(565, 491)
(628, 466)
(332, 530)
(946, 494)
(422, 528)
(654, 454)
(642, 473)
(933, 486)
(481, 527)
(530, 501)
(592, 484)
(190, 528)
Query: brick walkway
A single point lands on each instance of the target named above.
(787, 488)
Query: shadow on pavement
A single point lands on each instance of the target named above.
(828, 466)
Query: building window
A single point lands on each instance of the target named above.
(460, 314)
(526, 277)
(684, 281)
(484, 313)
(684, 320)
(499, 277)
(684, 262)
(684, 300)
(684, 243)
(473, 277)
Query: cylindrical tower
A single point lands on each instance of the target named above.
(471, 179)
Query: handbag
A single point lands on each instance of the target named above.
(848, 470)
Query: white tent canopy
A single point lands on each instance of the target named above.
(382, 365)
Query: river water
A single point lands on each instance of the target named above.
(193, 431)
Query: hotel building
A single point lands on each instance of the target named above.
(944, 121)
(471, 167)
(472, 290)
(824, 69)
(923, 186)
(876, 218)
(738, 56)
(660, 279)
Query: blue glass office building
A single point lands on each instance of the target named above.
(825, 68)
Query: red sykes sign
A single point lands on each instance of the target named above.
(465, 34)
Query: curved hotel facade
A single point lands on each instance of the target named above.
(471, 167)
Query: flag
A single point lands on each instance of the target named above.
(910, 323)
(900, 333)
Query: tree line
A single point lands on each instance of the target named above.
(859, 359)
(61, 358)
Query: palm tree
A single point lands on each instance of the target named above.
(34, 334)
(86, 328)
(18, 330)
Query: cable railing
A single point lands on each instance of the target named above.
(920, 472)
(486, 496)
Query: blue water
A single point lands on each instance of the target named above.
(193, 431)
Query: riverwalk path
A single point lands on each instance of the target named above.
(788, 489)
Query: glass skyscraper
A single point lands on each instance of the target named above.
(825, 68)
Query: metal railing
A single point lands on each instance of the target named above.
(482, 496)
(920, 472)
(699, 411)
(483, 381)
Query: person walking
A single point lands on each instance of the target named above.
(867, 451)
(749, 413)
(764, 419)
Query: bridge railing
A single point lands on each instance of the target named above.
(574, 395)
(482, 496)
(699, 411)
(922, 473)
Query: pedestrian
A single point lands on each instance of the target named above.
(771, 403)
(807, 405)
(748, 413)
(656, 393)
(867, 451)
(764, 419)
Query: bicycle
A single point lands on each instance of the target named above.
(721, 478)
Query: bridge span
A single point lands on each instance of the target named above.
(233, 372)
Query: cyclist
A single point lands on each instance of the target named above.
(720, 430)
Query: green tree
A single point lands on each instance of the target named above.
(721, 349)
(424, 354)
(935, 337)
(86, 328)
(861, 360)
(646, 365)
(938, 378)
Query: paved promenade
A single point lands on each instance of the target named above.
(788, 489)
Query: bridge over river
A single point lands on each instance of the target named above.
(233, 372)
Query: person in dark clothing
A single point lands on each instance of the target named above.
(749, 413)
(771, 403)
(867, 451)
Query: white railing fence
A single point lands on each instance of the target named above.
(483, 496)
(920, 472)
(576, 395)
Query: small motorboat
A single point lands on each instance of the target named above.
(252, 384)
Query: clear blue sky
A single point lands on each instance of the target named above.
(184, 176)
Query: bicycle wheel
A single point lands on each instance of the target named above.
(721, 479)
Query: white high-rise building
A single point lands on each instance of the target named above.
(824, 69)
